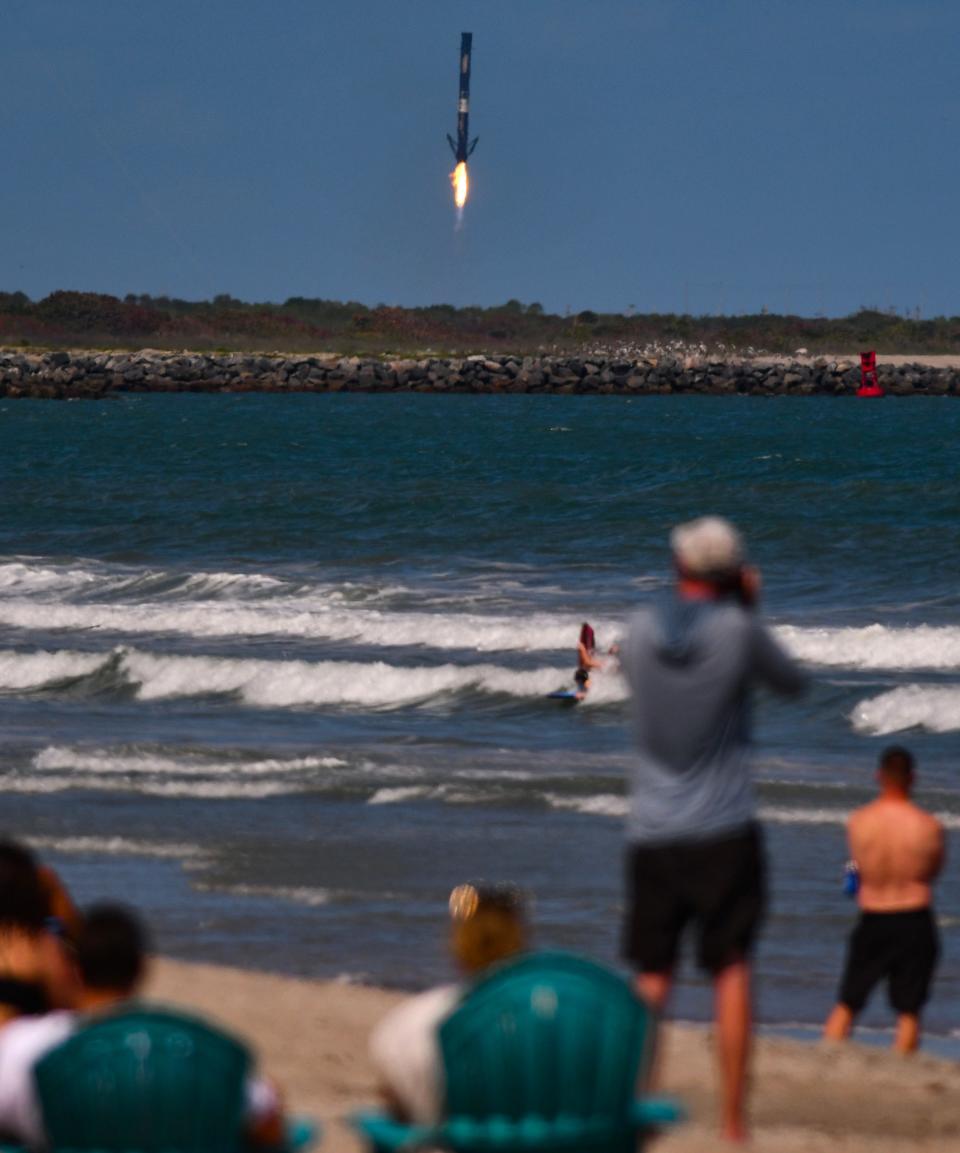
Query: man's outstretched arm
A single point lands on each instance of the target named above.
(775, 666)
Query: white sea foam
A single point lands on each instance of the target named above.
(206, 583)
(932, 707)
(130, 761)
(209, 790)
(494, 774)
(30, 577)
(308, 618)
(117, 847)
(238, 605)
(58, 769)
(25, 578)
(611, 805)
(282, 684)
(401, 794)
(602, 805)
(297, 894)
(783, 815)
(20, 671)
(379, 684)
(608, 805)
(876, 646)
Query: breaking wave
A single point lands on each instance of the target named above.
(210, 790)
(117, 847)
(238, 776)
(876, 646)
(612, 805)
(176, 773)
(935, 708)
(308, 619)
(20, 671)
(25, 578)
(296, 894)
(781, 815)
(401, 793)
(57, 759)
(137, 602)
(603, 805)
(280, 684)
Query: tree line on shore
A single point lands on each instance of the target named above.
(69, 319)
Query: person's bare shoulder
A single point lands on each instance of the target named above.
(925, 821)
(935, 826)
(864, 827)
(862, 817)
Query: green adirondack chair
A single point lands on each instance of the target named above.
(544, 1054)
(148, 1081)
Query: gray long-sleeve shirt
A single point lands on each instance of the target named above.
(690, 665)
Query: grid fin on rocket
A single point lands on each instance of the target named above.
(462, 147)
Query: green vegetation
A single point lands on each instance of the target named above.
(301, 324)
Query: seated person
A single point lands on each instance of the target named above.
(487, 926)
(36, 973)
(111, 959)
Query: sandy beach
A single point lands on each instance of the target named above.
(940, 360)
(312, 1037)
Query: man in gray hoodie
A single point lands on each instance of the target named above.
(695, 851)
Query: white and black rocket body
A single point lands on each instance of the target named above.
(461, 147)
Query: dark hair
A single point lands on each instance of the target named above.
(111, 948)
(23, 900)
(587, 637)
(896, 764)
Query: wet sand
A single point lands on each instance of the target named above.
(312, 1037)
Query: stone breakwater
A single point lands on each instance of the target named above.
(61, 375)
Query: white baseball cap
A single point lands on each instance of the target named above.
(709, 548)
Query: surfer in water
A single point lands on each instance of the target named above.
(586, 659)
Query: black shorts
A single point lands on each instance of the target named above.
(901, 947)
(719, 884)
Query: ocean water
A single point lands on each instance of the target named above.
(274, 668)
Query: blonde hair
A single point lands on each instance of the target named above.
(488, 925)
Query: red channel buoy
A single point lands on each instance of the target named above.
(869, 383)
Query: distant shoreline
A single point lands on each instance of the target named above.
(61, 375)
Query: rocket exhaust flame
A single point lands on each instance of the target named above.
(461, 184)
(462, 146)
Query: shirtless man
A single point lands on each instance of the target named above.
(899, 850)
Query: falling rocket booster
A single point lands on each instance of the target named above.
(462, 148)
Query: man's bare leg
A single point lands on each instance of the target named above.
(839, 1024)
(733, 1008)
(654, 988)
(907, 1039)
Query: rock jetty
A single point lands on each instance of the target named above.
(61, 374)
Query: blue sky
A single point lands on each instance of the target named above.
(707, 155)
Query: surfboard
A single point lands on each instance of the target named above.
(568, 696)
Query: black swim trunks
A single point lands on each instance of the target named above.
(901, 947)
(719, 884)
